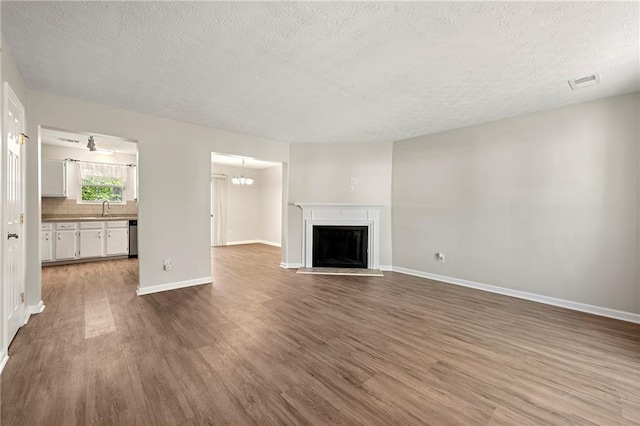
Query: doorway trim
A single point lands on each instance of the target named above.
(222, 211)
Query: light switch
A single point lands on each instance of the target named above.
(353, 181)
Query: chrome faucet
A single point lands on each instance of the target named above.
(104, 213)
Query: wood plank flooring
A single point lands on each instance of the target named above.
(264, 345)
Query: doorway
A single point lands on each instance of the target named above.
(89, 203)
(246, 200)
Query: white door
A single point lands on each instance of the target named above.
(91, 243)
(14, 272)
(219, 211)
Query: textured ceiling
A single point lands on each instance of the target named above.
(326, 71)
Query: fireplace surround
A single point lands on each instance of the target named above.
(341, 216)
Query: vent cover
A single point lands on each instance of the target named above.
(589, 80)
(69, 140)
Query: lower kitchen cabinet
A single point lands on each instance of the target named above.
(46, 246)
(117, 241)
(66, 241)
(91, 243)
(66, 245)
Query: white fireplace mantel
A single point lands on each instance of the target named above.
(335, 214)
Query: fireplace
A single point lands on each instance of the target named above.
(352, 219)
(340, 246)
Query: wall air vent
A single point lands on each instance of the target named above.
(69, 140)
(590, 80)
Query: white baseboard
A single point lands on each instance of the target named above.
(386, 268)
(36, 309)
(33, 310)
(270, 243)
(568, 304)
(4, 357)
(237, 243)
(172, 286)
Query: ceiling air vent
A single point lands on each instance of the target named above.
(69, 140)
(579, 83)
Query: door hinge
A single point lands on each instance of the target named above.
(22, 297)
(22, 218)
(23, 138)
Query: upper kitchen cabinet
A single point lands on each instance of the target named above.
(54, 178)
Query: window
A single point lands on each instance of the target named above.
(102, 189)
(102, 182)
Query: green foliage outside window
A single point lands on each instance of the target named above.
(101, 189)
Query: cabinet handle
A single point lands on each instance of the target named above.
(47, 237)
(98, 235)
(58, 236)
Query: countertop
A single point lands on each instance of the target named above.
(68, 218)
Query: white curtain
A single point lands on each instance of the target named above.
(99, 170)
(219, 211)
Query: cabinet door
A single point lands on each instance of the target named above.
(54, 178)
(91, 243)
(117, 241)
(66, 247)
(46, 246)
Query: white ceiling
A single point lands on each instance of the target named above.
(236, 161)
(326, 71)
(54, 136)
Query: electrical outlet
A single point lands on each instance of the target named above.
(351, 188)
(440, 257)
(166, 265)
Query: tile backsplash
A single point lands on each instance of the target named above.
(68, 207)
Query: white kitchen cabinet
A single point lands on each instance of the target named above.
(91, 243)
(117, 238)
(66, 244)
(65, 241)
(54, 178)
(46, 246)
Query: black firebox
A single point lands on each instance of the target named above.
(340, 246)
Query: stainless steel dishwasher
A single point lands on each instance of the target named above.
(133, 239)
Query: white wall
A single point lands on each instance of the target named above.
(321, 172)
(254, 212)
(174, 169)
(270, 181)
(55, 152)
(545, 203)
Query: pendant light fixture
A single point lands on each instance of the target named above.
(242, 179)
(91, 144)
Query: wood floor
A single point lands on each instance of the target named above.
(264, 345)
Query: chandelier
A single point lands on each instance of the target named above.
(242, 179)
